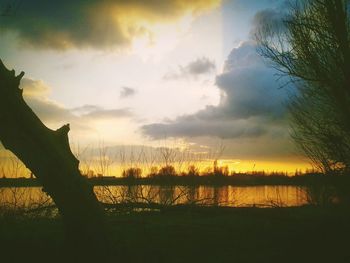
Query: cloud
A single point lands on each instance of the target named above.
(94, 24)
(97, 112)
(34, 88)
(53, 114)
(85, 109)
(251, 104)
(200, 66)
(196, 126)
(271, 19)
(49, 111)
(127, 92)
(109, 114)
(195, 68)
(249, 87)
(251, 116)
(35, 93)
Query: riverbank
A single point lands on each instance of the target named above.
(298, 234)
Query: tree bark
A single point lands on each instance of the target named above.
(47, 154)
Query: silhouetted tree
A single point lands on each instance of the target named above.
(312, 46)
(167, 170)
(47, 154)
(132, 172)
(192, 170)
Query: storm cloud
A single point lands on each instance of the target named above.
(93, 24)
(273, 19)
(251, 104)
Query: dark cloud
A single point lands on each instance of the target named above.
(200, 66)
(249, 86)
(269, 19)
(195, 126)
(197, 67)
(127, 92)
(251, 104)
(95, 23)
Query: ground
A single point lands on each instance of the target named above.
(304, 234)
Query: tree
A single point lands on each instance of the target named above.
(47, 154)
(312, 47)
(132, 172)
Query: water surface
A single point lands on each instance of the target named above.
(234, 196)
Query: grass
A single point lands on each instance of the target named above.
(303, 234)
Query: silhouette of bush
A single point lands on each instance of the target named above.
(220, 170)
(167, 170)
(192, 171)
(132, 173)
(153, 171)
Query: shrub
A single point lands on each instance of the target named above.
(167, 170)
(132, 173)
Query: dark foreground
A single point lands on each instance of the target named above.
(306, 234)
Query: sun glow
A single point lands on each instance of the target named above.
(160, 39)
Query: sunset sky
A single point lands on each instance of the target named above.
(177, 72)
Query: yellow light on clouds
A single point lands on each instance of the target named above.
(160, 39)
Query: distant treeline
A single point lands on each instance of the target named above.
(238, 179)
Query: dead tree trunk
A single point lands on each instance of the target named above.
(47, 154)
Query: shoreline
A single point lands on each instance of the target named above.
(203, 180)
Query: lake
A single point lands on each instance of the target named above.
(234, 196)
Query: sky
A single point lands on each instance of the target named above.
(178, 73)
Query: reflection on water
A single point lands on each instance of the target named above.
(23, 198)
(206, 195)
(262, 196)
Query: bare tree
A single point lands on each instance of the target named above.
(312, 47)
(47, 154)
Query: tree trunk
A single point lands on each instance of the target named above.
(47, 154)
